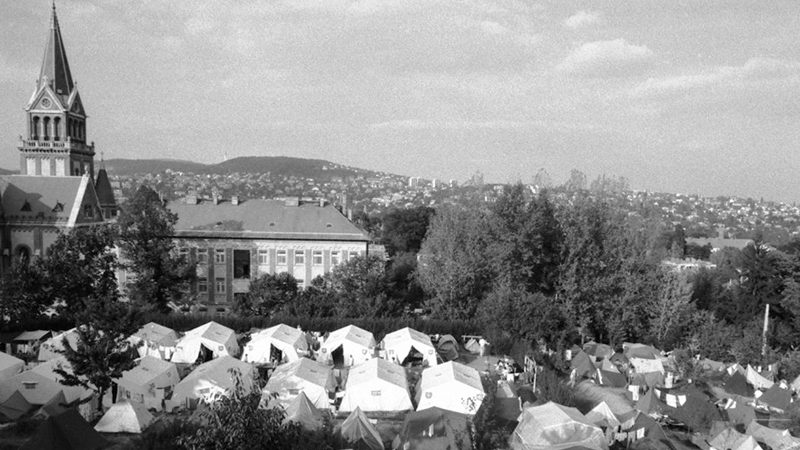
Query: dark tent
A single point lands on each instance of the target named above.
(697, 413)
(359, 433)
(776, 398)
(742, 414)
(14, 407)
(619, 359)
(609, 378)
(650, 429)
(447, 348)
(737, 384)
(598, 350)
(583, 365)
(435, 429)
(649, 403)
(64, 432)
(53, 407)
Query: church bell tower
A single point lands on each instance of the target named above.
(55, 142)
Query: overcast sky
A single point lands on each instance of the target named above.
(696, 96)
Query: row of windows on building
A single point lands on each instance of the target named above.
(281, 256)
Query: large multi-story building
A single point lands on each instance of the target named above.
(234, 241)
(56, 188)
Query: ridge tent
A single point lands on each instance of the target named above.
(451, 386)
(737, 384)
(40, 384)
(64, 432)
(302, 411)
(582, 366)
(55, 406)
(281, 342)
(554, 426)
(649, 403)
(757, 380)
(776, 398)
(125, 417)
(15, 406)
(610, 378)
(376, 385)
(696, 412)
(10, 366)
(776, 439)
(741, 414)
(473, 346)
(608, 366)
(149, 383)
(434, 429)
(156, 340)
(602, 416)
(211, 379)
(347, 346)
(49, 348)
(599, 351)
(641, 351)
(645, 427)
(733, 440)
(359, 432)
(313, 379)
(205, 342)
(400, 345)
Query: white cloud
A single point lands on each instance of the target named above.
(581, 19)
(616, 57)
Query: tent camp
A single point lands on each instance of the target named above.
(776, 439)
(149, 383)
(125, 417)
(347, 346)
(212, 378)
(451, 386)
(301, 410)
(405, 344)
(434, 429)
(14, 407)
(155, 340)
(447, 346)
(359, 433)
(733, 440)
(376, 385)
(205, 342)
(554, 426)
(10, 366)
(280, 343)
(49, 348)
(314, 379)
(65, 431)
(602, 416)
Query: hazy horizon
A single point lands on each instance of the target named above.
(686, 96)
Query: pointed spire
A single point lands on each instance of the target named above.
(55, 68)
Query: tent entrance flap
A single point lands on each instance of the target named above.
(414, 356)
(338, 356)
(205, 355)
(275, 354)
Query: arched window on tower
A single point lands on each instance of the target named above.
(46, 129)
(35, 128)
(57, 129)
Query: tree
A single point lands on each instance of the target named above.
(316, 300)
(671, 310)
(22, 293)
(359, 287)
(146, 230)
(404, 229)
(268, 294)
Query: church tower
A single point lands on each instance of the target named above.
(55, 143)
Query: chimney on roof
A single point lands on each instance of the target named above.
(235, 200)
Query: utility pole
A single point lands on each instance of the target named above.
(764, 335)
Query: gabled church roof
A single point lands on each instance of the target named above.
(105, 193)
(55, 200)
(55, 67)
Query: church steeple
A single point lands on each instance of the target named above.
(55, 67)
(55, 143)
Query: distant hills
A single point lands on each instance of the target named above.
(299, 167)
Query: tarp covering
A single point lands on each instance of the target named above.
(730, 439)
(398, 344)
(776, 439)
(291, 342)
(434, 429)
(65, 431)
(376, 385)
(212, 378)
(610, 378)
(776, 398)
(554, 426)
(304, 375)
(602, 416)
(756, 379)
(696, 412)
(359, 432)
(452, 386)
(302, 411)
(125, 417)
(737, 384)
(582, 366)
(156, 340)
(15, 406)
(357, 345)
(218, 339)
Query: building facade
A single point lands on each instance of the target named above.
(234, 242)
(56, 188)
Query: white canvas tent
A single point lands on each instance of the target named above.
(40, 384)
(125, 417)
(347, 346)
(211, 340)
(399, 344)
(49, 348)
(602, 416)
(149, 382)
(451, 386)
(156, 340)
(10, 366)
(376, 385)
(553, 426)
(212, 378)
(289, 342)
(314, 379)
